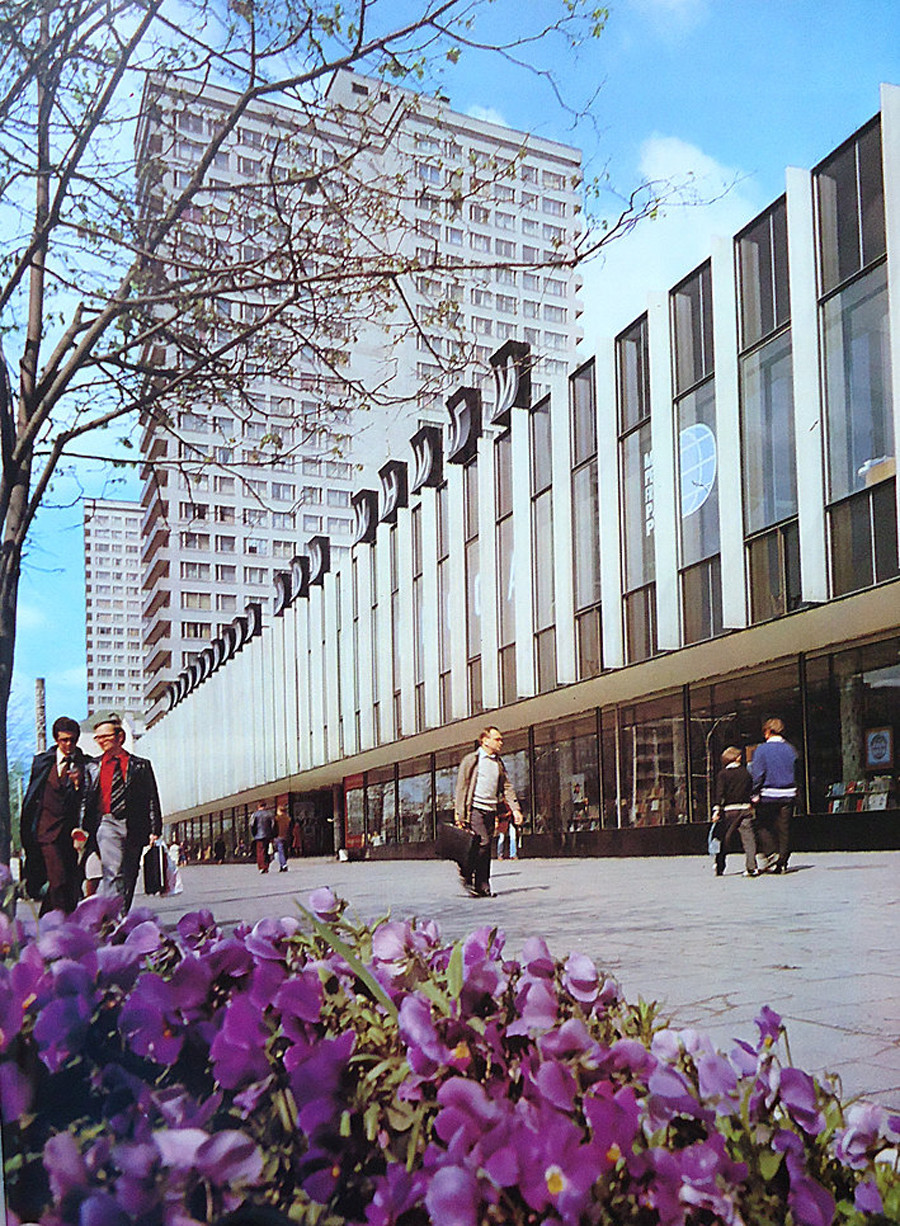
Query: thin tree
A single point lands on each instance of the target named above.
(130, 288)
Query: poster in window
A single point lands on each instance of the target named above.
(879, 748)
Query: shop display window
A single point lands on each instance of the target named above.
(566, 777)
(416, 801)
(653, 763)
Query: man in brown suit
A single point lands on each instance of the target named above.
(49, 816)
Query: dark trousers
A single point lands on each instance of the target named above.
(774, 826)
(63, 878)
(262, 855)
(478, 872)
(742, 821)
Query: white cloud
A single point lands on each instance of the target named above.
(709, 200)
(487, 114)
(30, 617)
(672, 16)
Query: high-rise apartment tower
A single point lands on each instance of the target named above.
(475, 228)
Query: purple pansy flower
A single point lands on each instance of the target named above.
(867, 1198)
(325, 905)
(395, 1192)
(238, 1051)
(863, 1132)
(581, 979)
(453, 1197)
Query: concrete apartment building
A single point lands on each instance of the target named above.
(226, 507)
(626, 575)
(113, 599)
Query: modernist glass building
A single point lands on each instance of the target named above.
(693, 531)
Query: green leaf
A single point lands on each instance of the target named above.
(330, 937)
(455, 972)
(769, 1162)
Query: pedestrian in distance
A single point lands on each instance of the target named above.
(50, 815)
(733, 811)
(282, 837)
(483, 793)
(262, 827)
(774, 771)
(120, 810)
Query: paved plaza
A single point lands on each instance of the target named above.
(819, 944)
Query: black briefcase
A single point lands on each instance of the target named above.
(455, 843)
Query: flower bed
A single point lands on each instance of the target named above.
(344, 1073)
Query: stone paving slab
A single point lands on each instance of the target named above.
(818, 944)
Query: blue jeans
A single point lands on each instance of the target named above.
(513, 842)
(281, 853)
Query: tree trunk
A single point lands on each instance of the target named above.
(10, 558)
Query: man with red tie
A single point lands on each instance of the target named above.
(121, 809)
(49, 816)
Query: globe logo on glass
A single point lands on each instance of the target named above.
(697, 446)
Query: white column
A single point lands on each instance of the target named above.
(611, 540)
(332, 745)
(365, 659)
(405, 621)
(430, 610)
(728, 435)
(317, 715)
(383, 648)
(487, 573)
(662, 427)
(456, 600)
(524, 591)
(890, 152)
(808, 407)
(304, 684)
(563, 589)
(348, 665)
(291, 692)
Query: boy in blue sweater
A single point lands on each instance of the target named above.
(774, 772)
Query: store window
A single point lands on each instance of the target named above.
(506, 587)
(566, 777)
(585, 520)
(731, 712)
(637, 491)
(853, 700)
(542, 548)
(354, 812)
(653, 766)
(381, 806)
(416, 801)
(860, 444)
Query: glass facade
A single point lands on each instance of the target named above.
(768, 452)
(473, 588)
(697, 456)
(859, 444)
(542, 562)
(505, 567)
(637, 491)
(585, 520)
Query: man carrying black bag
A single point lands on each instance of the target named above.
(483, 792)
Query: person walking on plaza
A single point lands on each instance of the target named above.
(261, 829)
(50, 813)
(483, 792)
(120, 809)
(282, 837)
(733, 811)
(774, 771)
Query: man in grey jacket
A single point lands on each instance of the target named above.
(483, 790)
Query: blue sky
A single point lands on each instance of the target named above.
(730, 91)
